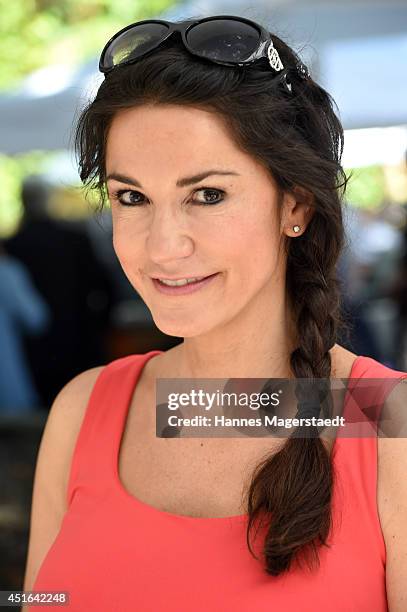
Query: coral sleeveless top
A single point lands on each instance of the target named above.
(115, 553)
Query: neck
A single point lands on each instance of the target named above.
(257, 343)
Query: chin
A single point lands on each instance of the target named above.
(179, 329)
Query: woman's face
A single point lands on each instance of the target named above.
(227, 224)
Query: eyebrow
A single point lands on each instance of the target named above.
(183, 182)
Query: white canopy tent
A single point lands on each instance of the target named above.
(357, 51)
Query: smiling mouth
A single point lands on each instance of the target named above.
(183, 288)
(183, 280)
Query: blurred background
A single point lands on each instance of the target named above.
(65, 303)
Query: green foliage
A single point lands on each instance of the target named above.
(36, 33)
(367, 187)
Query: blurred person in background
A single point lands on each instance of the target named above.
(354, 266)
(398, 292)
(368, 267)
(73, 282)
(22, 309)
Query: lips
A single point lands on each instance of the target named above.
(200, 278)
(181, 277)
(186, 288)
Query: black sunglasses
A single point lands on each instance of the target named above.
(223, 39)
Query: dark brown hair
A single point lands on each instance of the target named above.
(299, 140)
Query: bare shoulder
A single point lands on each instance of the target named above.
(342, 361)
(53, 465)
(70, 404)
(392, 495)
(63, 424)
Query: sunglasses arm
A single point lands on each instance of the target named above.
(274, 58)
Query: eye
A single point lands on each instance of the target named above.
(213, 192)
(126, 197)
(129, 197)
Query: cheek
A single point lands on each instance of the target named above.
(129, 257)
(264, 249)
(125, 245)
(255, 242)
(119, 244)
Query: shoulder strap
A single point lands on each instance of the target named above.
(355, 458)
(103, 423)
(367, 390)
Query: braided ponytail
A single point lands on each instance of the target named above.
(295, 484)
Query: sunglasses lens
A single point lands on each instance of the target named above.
(134, 43)
(224, 39)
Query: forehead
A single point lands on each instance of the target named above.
(170, 134)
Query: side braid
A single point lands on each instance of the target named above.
(299, 476)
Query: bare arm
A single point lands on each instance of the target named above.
(53, 467)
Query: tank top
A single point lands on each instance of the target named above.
(115, 553)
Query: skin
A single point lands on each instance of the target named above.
(242, 237)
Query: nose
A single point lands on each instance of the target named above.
(168, 238)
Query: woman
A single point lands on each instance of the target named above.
(229, 171)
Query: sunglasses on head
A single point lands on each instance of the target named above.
(223, 39)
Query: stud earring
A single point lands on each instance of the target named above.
(296, 228)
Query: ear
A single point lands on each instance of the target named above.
(298, 209)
